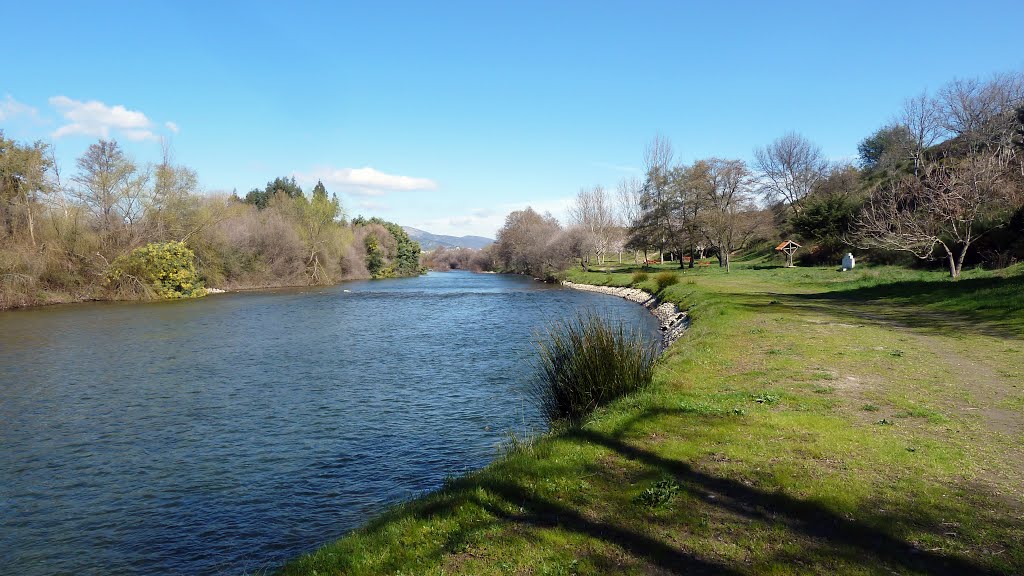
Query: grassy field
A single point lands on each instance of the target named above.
(810, 421)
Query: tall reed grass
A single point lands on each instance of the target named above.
(588, 361)
(665, 279)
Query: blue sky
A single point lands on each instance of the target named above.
(447, 115)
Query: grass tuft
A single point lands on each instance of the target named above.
(639, 277)
(665, 279)
(586, 362)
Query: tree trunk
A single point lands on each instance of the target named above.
(960, 260)
(31, 224)
(954, 271)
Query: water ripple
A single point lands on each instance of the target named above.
(229, 434)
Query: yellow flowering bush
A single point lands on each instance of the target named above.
(157, 270)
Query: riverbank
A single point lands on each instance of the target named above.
(672, 321)
(50, 298)
(807, 422)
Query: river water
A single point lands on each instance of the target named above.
(228, 434)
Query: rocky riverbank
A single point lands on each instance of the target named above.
(673, 321)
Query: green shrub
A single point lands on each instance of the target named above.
(665, 279)
(639, 277)
(586, 362)
(156, 270)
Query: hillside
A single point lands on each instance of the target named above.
(429, 241)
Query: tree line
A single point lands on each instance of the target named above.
(68, 238)
(943, 182)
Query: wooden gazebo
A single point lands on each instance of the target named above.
(788, 248)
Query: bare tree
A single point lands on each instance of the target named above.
(592, 213)
(654, 225)
(172, 204)
(921, 118)
(727, 186)
(789, 168)
(630, 197)
(530, 243)
(941, 208)
(981, 117)
(104, 180)
(968, 106)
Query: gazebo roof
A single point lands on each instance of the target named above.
(787, 244)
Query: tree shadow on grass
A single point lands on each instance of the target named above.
(857, 541)
(990, 306)
(619, 268)
(815, 537)
(907, 313)
(544, 513)
(824, 536)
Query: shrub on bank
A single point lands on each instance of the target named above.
(586, 362)
(156, 270)
(665, 279)
(639, 277)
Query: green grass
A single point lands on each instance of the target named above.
(810, 421)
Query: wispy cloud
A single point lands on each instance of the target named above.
(172, 126)
(366, 181)
(11, 108)
(487, 221)
(94, 118)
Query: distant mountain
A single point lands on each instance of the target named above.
(430, 241)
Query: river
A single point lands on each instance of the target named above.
(228, 434)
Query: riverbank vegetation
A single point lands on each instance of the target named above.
(586, 362)
(810, 421)
(68, 238)
(443, 259)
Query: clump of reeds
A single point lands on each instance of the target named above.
(639, 277)
(665, 279)
(588, 361)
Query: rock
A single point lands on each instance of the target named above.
(673, 322)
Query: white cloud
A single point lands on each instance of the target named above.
(9, 108)
(94, 118)
(139, 135)
(366, 181)
(172, 127)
